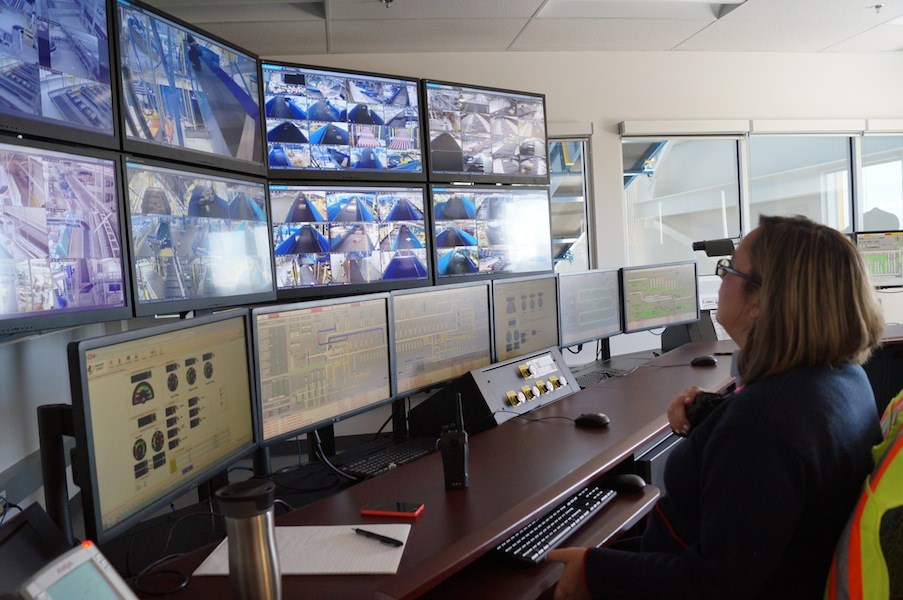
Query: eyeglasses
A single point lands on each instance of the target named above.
(725, 266)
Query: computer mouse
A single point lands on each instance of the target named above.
(625, 483)
(707, 360)
(592, 420)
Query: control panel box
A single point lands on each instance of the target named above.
(496, 393)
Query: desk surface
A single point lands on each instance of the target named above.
(518, 471)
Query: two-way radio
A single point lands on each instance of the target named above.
(453, 447)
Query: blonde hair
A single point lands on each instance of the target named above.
(816, 304)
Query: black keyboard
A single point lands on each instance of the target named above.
(589, 378)
(531, 543)
(390, 457)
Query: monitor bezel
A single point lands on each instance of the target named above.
(554, 277)
(85, 455)
(61, 130)
(633, 268)
(259, 311)
(432, 176)
(855, 237)
(370, 287)
(348, 175)
(188, 156)
(163, 307)
(442, 280)
(611, 272)
(486, 284)
(14, 323)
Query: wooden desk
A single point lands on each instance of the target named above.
(518, 471)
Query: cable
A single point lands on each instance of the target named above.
(318, 450)
(146, 571)
(517, 414)
(6, 506)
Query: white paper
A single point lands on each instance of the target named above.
(325, 550)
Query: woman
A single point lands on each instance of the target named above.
(760, 490)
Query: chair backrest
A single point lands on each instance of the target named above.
(868, 561)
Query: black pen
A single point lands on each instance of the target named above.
(375, 536)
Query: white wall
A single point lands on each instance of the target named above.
(585, 87)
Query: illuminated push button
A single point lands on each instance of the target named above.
(563, 382)
(521, 397)
(535, 391)
(511, 396)
(524, 371)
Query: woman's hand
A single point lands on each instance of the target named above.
(677, 411)
(572, 585)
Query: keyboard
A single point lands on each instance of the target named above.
(531, 543)
(390, 457)
(593, 377)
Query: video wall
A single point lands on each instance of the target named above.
(203, 177)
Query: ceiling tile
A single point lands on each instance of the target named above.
(424, 35)
(628, 9)
(265, 39)
(806, 11)
(605, 34)
(769, 36)
(432, 9)
(884, 38)
(243, 13)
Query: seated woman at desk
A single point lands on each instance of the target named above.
(760, 491)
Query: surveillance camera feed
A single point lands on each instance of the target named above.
(60, 249)
(486, 134)
(333, 235)
(491, 230)
(196, 237)
(55, 63)
(335, 121)
(183, 90)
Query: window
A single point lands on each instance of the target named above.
(676, 192)
(801, 175)
(880, 207)
(568, 177)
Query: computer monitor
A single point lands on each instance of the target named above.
(156, 411)
(659, 295)
(883, 254)
(199, 239)
(338, 124)
(440, 333)
(525, 314)
(349, 238)
(55, 72)
(61, 237)
(187, 95)
(320, 362)
(590, 306)
(485, 135)
(485, 231)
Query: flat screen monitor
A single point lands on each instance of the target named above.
(485, 135)
(440, 333)
(325, 123)
(320, 362)
(187, 95)
(55, 71)
(489, 231)
(659, 295)
(590, 306)
(525, 313)
(61, 237)
(198, 239)
(347, 238)
(883, 254)
(157, 411)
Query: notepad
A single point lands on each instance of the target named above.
(325, 550)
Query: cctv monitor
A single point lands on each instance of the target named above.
(187, 95)
(61, 237)
(883, 255)
(485, 135)
(156, 411)
(483, 231)
(335, 124)
(198, 239)
(590, 306)
(320, 362)
(440, 333)
(525, 315)
(55, 78)
(332, 238)
(659, 295)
